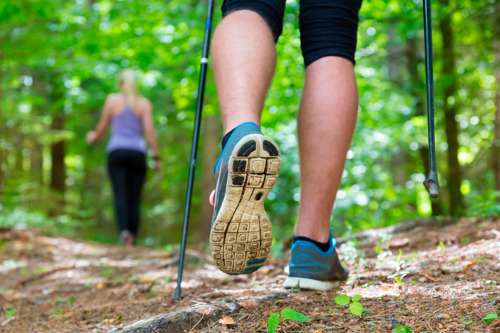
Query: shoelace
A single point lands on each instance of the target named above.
(211, 199)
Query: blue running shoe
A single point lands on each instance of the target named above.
(311, 268)
(246, 171)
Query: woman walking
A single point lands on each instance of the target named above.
(130, 115)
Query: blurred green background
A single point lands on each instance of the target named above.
(59, 59)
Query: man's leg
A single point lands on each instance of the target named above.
(327, 118)
(244, 59)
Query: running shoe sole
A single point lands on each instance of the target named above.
(241, 236)
(310, 284)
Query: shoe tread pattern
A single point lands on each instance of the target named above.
(241, 237)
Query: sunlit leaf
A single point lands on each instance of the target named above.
(293, 315)
(272, 322)
(356, 308)
(342, 299)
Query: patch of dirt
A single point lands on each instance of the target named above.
(445, 279)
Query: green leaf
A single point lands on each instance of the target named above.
(293, 315)
(272, 322)
(490, 317)
(356, 308)
(107, 272)
(342, 299)
(356, 298)
(11, 312)
(401, 329)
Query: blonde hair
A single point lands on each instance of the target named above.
(128, 86)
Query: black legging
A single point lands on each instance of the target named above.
(127, 170)
(327, 27)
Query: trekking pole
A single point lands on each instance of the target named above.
(431, 184)
(194, 147)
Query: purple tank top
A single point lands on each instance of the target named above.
(126, 131)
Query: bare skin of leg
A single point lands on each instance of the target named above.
(326, 122)
(244, 59)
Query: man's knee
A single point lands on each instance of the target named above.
(271, 11)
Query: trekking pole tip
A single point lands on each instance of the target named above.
(177, 295)
(432, 185)
(433, 189)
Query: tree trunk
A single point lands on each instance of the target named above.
(454, 178)
(58, 170)
(399, 161)
(36, 148)
(211, 142)
(393, 62)
(19, 159)
(496, 141)
(36, 162)
(398, 164)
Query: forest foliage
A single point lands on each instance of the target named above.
(59, 59)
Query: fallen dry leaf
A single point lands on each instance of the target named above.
(430, 278)
(225, 320)
(249, 304)
(471, 264)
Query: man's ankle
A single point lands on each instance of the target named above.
(322, 246)
(227, 136)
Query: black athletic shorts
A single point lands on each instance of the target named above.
(327, 27)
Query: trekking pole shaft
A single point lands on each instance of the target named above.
(194, 149)
(431, 184)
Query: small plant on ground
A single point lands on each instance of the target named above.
(401, 329)
(464, 240)
(400, 274)
(465, 320)
(380, 248)
(11, 312)
(490, 317)
(274, 318)
(352, 255)
(107, 272)
(355, 307)
(57, 313)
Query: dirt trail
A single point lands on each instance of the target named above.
(446, 280)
